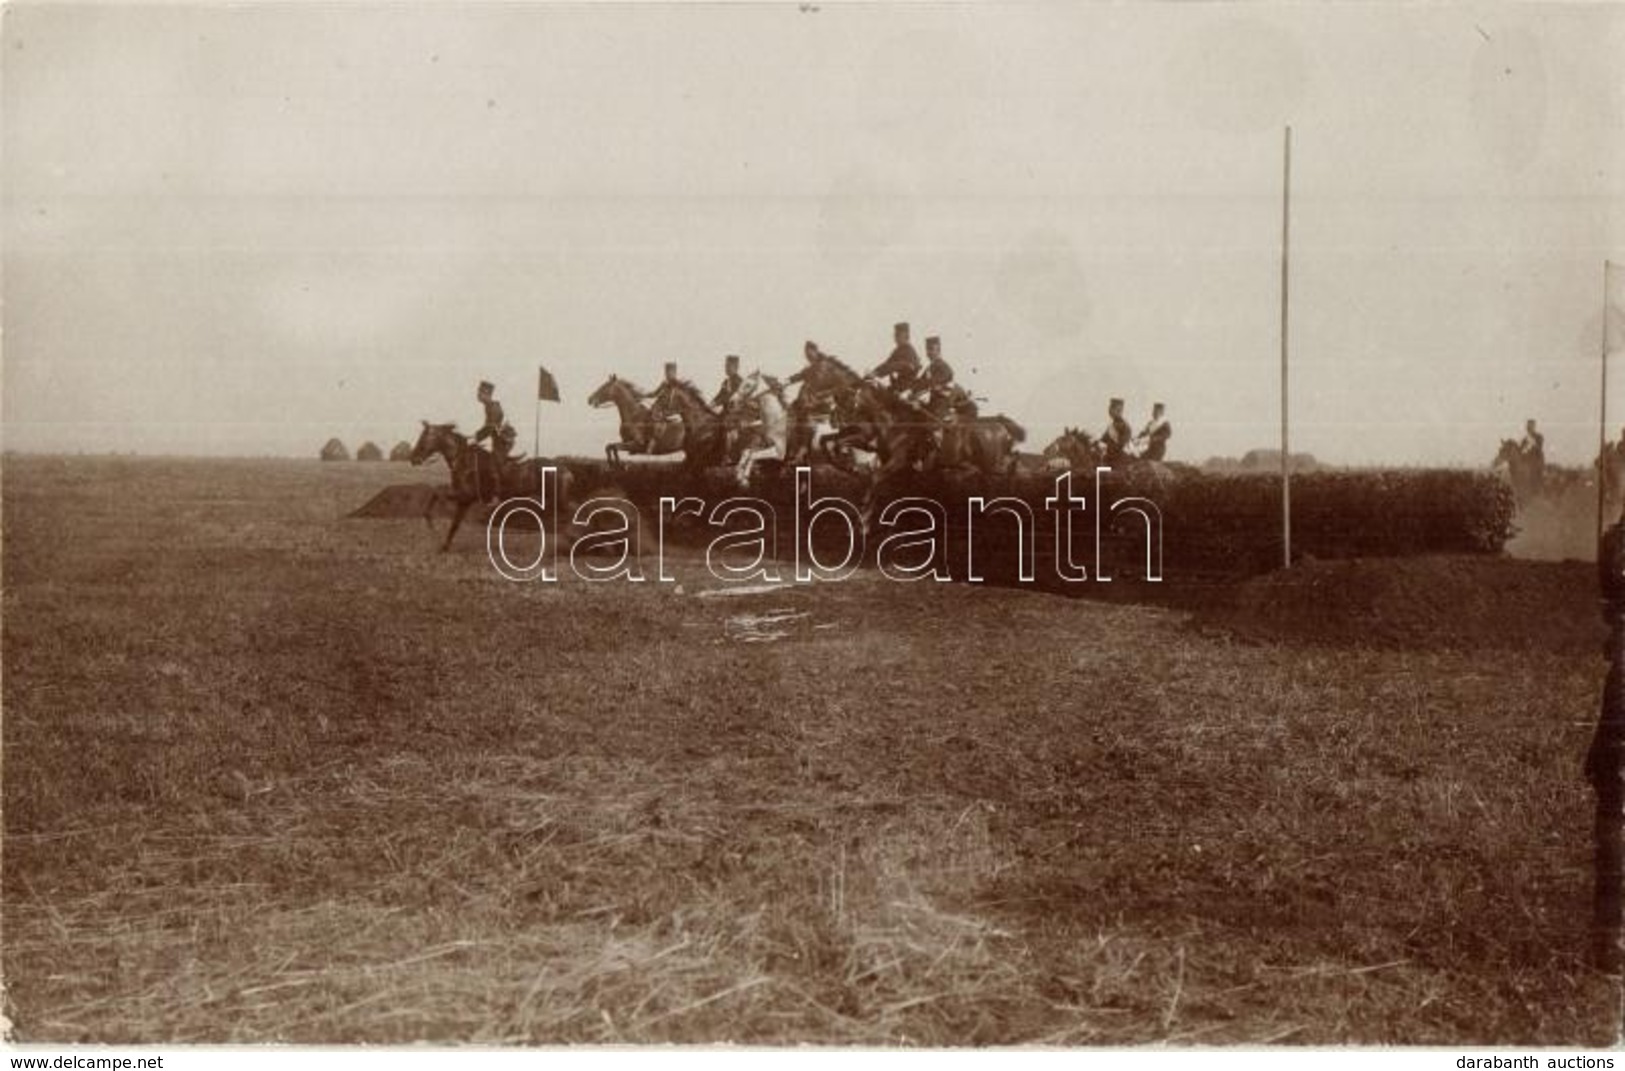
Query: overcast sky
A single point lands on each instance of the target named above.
(242, 230)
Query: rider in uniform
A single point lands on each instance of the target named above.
(662, 406)
(1533, 445)
(731, 382)
(1117, 434)
(811, 354)
(805, 402)
(903, 366)
(1533, 449)
(496, 428)
(937, 379)
(1152, 441)
(727, 397)
(937, 401)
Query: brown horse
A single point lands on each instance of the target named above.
(822, 403)
(474, 474)
(1075, 449)
(900, 433)
(1526, 473)
(642, 430)
(705, 432)
(985, 444)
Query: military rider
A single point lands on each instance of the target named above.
(1533, 449)
(731, 382)
(729, 404)
(662, 407)
(1152, 442)
(903, 366)
(1117, 435)
(937, 379)
(1533, 445)
(496, 428)
(806, 400)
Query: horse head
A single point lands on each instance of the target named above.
(831, 374)
(688, 400)
(774, 386)
(607, 393)
(441, 439)
(1075, 446)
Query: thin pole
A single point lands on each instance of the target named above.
(536, 446)
(1602, 417)
(1286, 239)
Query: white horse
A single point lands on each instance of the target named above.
(768, 435)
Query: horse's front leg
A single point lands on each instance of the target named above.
(457, 520)
(748, 459)
(882, 477)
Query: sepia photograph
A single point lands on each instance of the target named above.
(879, 525)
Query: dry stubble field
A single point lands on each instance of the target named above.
(271, 774)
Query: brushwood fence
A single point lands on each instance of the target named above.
(1004, 528)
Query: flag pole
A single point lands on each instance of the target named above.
(536, 443)
(1286, 235)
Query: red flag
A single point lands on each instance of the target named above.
(547, 388)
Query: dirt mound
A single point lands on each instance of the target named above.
(402, 500)
(1435, 602)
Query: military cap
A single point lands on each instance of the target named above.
(933, 340)
(732, 360)
(1116, 402)
(487, 387)
(899, 327)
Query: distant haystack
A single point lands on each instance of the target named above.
(335, 451)
(1268, 460)
(402, 451)
(369, 452)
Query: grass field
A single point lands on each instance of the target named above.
(271, 774)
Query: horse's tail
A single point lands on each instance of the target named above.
(1017, 432)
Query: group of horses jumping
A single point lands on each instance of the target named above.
(838, 417)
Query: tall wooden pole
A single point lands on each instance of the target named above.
(1602, 417)
(1286, 456)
